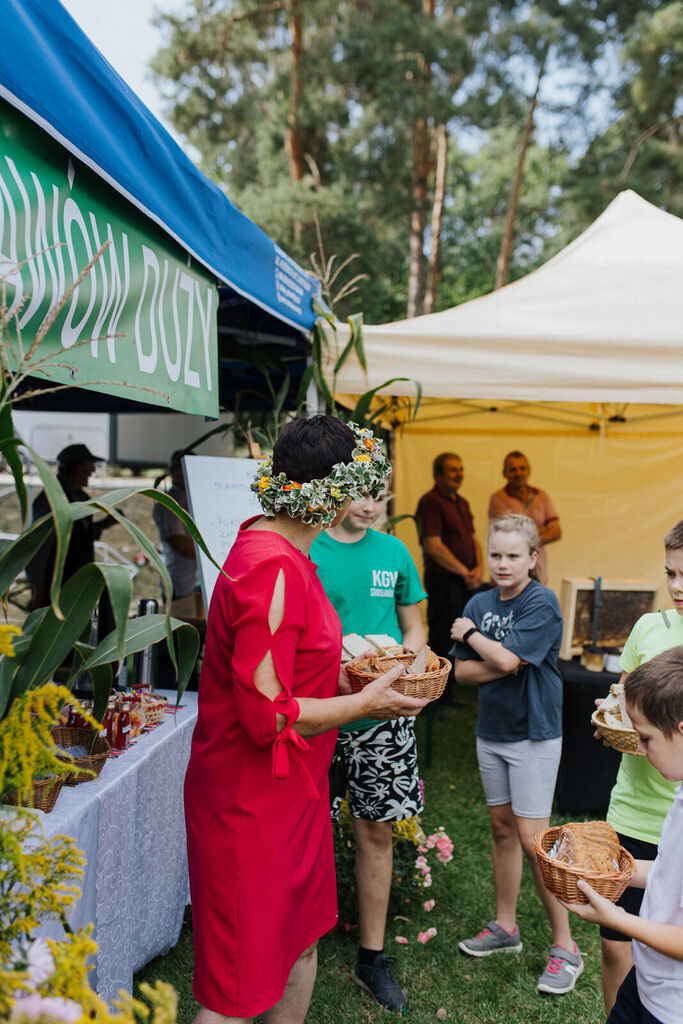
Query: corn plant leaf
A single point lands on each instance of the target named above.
(360, 412)
(147, 630)
(18, 553)
(102, 676)
(355, 322)
(62, 516)
(54, 638)
(306, 378)
(119, 585)
(8, 447)
(7, 670)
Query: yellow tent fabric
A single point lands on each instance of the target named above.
(618, 486)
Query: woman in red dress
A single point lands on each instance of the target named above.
(256, 800)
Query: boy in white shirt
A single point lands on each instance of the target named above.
(652, 992)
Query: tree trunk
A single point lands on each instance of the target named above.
(437, 216)
(293, 141)
(422, 167)
(502, 266)
(418, 218)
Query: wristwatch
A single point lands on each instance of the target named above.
(468, 634)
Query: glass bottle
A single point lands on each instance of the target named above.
(107, 730)
(122, 741)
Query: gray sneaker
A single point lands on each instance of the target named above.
(562, 971)
(493, 939)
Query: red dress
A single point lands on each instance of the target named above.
(256, 801)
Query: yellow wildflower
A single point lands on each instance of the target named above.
(6, 634)
(335, 492)
(263, 484)
(361, 458)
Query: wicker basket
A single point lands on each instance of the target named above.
(43, 797)
(561, 878)
(155, 711)
(89, 766)
(625, 740)
(426, 684)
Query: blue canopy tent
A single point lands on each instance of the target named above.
(106, 139)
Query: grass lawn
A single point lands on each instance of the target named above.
(492, 990)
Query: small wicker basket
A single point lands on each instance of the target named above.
(155, 710)
(43, 797)
(625, 740)
(429, 685)
(88, 767)
(561, 878)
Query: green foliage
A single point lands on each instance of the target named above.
(368, 81)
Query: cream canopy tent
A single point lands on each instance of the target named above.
(602, 321)
(554, 365)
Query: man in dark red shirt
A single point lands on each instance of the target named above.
(452, 554)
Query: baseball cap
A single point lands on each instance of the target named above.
(75, 455)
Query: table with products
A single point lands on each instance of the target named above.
(129, 823)
(588, 768)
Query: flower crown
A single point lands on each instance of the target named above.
(318, 501)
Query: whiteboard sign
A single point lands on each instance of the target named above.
(219, 500)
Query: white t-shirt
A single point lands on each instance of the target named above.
(660, 977)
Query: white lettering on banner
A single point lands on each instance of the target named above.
(191, 377)
(384, 578)
(147, 361)
(39, 221)
(173, 365)
(121, 290)
(72, 215)
(205, 318)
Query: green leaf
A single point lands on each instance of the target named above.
(63, 520)
(15, 557)
(7, 669)
(119, 584)
(9, 449)
(348, 348)
(320, 310)
(54, 638)
(102, 676)
(280, 398)
(360, 412)
(355, 323)
(306, 378)
(147, 630)
(323, 385)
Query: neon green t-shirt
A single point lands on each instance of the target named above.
(366, 581)
(641, 797)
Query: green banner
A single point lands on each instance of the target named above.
(141, 324)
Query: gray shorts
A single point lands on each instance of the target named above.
(522, 774)
(381, 771)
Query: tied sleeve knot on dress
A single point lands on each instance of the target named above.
(289, 740)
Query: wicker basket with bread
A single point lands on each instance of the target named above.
(425, 674)
(588, 850)
(611, 720)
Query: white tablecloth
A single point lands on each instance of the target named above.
(130, 824)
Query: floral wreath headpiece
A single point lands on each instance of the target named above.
(318, 501)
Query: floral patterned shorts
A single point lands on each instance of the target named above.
(381, 772)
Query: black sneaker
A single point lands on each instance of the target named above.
(378, 979)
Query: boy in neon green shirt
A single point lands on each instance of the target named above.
(641, 798)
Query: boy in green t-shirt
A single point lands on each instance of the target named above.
(373, 584)
(641, 798)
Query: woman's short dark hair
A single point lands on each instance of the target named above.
(308, 448)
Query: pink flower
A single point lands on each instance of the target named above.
(40, 963)
(427, 881)
(34, 1007)
(429, 905)
(402, 939)
(424, 937)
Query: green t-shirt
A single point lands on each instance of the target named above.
(641, 797)
(366, 581)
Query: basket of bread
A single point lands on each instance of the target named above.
(611, 720)
(424, 674)
(588, 850)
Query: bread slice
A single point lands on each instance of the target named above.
(353, 645)
(380, 640)
(591, 845)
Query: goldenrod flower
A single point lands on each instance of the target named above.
(361, 458)
(6, 634)
(263, 484)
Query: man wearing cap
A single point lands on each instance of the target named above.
(519, 496)
(75, 464)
